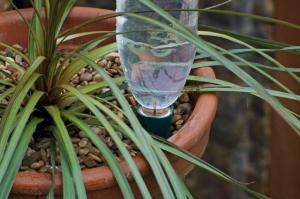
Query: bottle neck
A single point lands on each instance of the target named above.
(155, 112)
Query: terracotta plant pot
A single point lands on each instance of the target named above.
(100, 181)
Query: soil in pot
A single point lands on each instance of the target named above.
(37, 157)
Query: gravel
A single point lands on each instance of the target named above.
(37, 157)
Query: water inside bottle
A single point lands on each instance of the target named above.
(157, 75)
(156, 62)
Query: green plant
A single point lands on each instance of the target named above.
(50, 102)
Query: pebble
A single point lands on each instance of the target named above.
(28, 160)
(4, 102)
(95, 157)
(95, 151)
(127, 142)
(18, 59)
(112, 71)
(133, 153)
(179, 122)
(111, 56)
(83, 142)
(83, 151)
(185, 117)
(117, 60)
(108, 65)
(44, 143)
(44, 155)
(120, 115)
(120, 71)
(9, 52)
(184, 98)
(176, 118)
(104, 90)
(45, 169)
(184, 108)
(7, 71)
(37, 165)
(129, 147)
(103, 63)
(24, 168)
(75, 140)
(57, 160)
(86, 77)
(178, 126)
(2, 88)
(89, 162)
(17, 46)
(96, 129)
(84, 83)
(76, 80)
(102, 131)
(93, 82)
(109, 142)
(30, 151)
(97, 78)
(37, 156)
(132, 100)
(82, 134)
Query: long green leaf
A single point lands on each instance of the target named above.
(110, 158)
(52, 151)
(7, 183)
(173, 149)
(106, 124)
(16, 100)
(17, 134)
(68, 98)
(175, 181)
(259, 65)
(79, 35)
(68, 184)
(180, 188)
(93, 43)
(252, 16)
(191, 37)
(31, 31)
(261, 53)
(17, 51)
(265, 74)
(143, 137)
(6, 93)
(248, 39)
(13, 64)
(211, 81)
(62, 136)
(78, 64)
(130, 134)
(241, 89)
(64, 11)
(6, 83)
(37, 35)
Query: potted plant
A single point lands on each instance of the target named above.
(43, 101)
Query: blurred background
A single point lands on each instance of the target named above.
(248, 141)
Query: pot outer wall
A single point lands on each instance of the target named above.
(100, 182)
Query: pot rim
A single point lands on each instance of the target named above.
(102, 178)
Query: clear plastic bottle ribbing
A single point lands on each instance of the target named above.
(156, 62)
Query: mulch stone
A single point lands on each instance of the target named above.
(37, 157)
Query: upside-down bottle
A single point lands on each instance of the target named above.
(156, 63)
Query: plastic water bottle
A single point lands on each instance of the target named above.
(156, 63)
